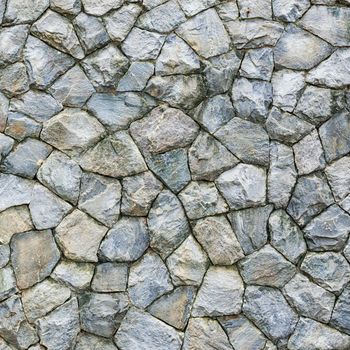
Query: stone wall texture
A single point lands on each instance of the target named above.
(174, 174)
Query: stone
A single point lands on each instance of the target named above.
(90, 31)
(205, 33)
(20, 127)
(4, 255)
(42, 298)
(18, 11)
(60, 327)
(26, 158)
(268, 309)
(100, 197)
(255, 9)
(329, 230)
(105, 67)
(142, 45)
(126, 241)
(149, 4)
(335, 26)
(46, 209)
(179, 91)
(8, 283)
(79, 236)
(250, 227)
(333, 71)
(61, 175)
(309, 299)
(309, 333)
(289, 11)
(287, 88)
(4, 106)
(258, 64)
(227, 11)
(44, 63)
(6, 145)
(329, 270)
(58, 32)
(110, 277)
(137, 76)
(139, 192)
(70, 7)
(32, 268)
(73, 88)
(174, 308)
(310, 197)
(338, 177)
(115, 156)
(72, 131)
(86, 341)
(14, 79)
(142, 287)
(101, 314)
(341, 312)
(167, 224)
(188, 263)
(286, 236)
(243, 186)
(220, 294)
(196, 6)
(100, 8)
(139, 330)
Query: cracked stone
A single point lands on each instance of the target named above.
(137, 76)
(258, 64)
(338, 177)
(290, 11)
(110, 277)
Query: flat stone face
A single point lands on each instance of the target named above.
(258, 64)
(8, 283)
(92, 8)
(110, 277)
(251, 9)
(22, 12)
(86, 340)
(290, 11)
(135, 79)
(338, 177)
(340, 316)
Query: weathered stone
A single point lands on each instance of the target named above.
(43, 298)
(4, 255)
(258, 64)
(193, 7)
(79, 236)
(101, 314)
(8, 283)
(110, 277)
(137, 76)
(243, 186)
(99, 9)
(19, 126)
(86, 341)
(100, 197)
(34, 255)
(149, 4)
(188, 264)
(341, 312)
(252, 9)
(268, 309)
(330, 270)
(4, 106)
(289, 11)
(62, 175)
(143, 288)
(227, 11)
(126, 241)
(309, 299)
(70, 7)
(174, 308)
(338, 177)
(6, 145)
(139, 330)
(18, 11)
(14, 79)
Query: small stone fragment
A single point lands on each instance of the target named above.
(258, 64)
(289, 11)
(8, 283)
(136, 78)
(110, 277)
(100, 8)
(19, 11)
(338, 175)
(14, 79)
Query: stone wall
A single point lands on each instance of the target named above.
(174, 174)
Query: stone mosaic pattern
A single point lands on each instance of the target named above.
(174, 174)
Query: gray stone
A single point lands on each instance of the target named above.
(43, 298)
(205, 33)
(79, 236)
(330, 270)
(4, 105)
(6, 145)
(250, 227)
(58, 32)
(243, 186)
(99, 9)
(4, 255)
(311, 334)
(19, 11)
(8, 283)
(227, 11)
(32, 268)
(255, 9)
(14, 79)
(137, 76)
(101, 314)
(193, 7)
(338, 177)
(126, 241)
(220, 294)
(86, 341)
(310, 197)
(309, 299)
(268, 309)
(46, 209)
(188, 264)
(174, 308)
(61, 175)
(286, 236)
(258, 64)
(60, 327)
(70, 7)
(143, 288)
(139, 330)
(167, 224)
(100, 197)
(341, 313)
(149, 4)
(110, 277)
(289, 11)
(19, 126)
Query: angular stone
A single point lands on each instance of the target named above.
(137, 76)
(43, 298)
(174, 308)
(255, 9)
(126, 241)
(310, 197)
(6, 145)
(34, 255)
(101, 314)
(8, 283)
(14, 79)
(243, 186)
(258, 64)
(4, 255)
(268, 309)
(330, 270)
(341, 312)
(139, 330)
(4, 106)
(99, 9)
(100, 197)
(110, 277)
(289, 11)
(79, 236)
(309, 299)
(149, 4)
(193, 7)
(19, 11)
(20, 127)
(86, 341)
(62, 175)
(338, 177)
(188, 264)
(46, 209)
(70, 7)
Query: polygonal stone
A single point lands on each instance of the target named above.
(193, 7)
(258, 64)
(20, 127)
(6, 145)
(253, 9)
(70, 7)
(99, 9)
(289, 11)
(227, 11)
(137, 76)
(341, 313)
(18, 11)
(4, 106)
(14, 79)
(8, 283)
(4, 255)
(338, 177)
(87, 341)
(110, 277)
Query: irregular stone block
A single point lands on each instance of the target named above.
(110, 277)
